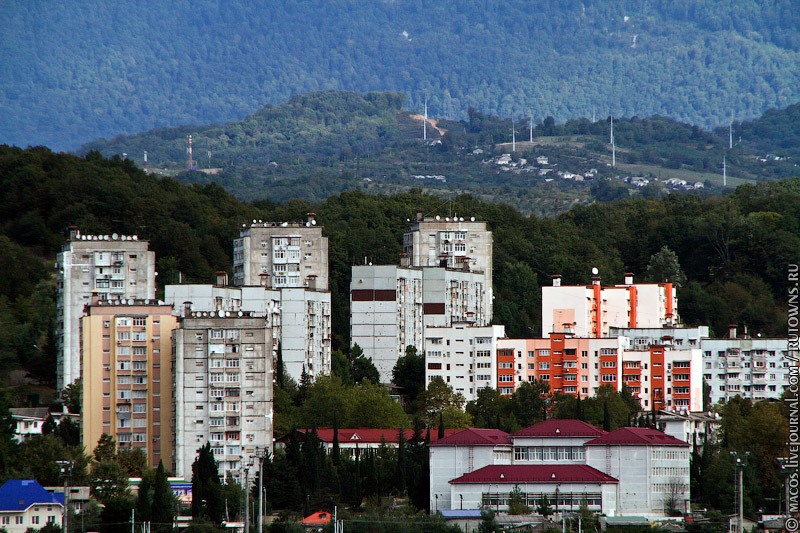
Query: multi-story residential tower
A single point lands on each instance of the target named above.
(462, 355)
(127, 371)
(752, 367)
(391, 306)
(223, 388)
(279, 255)
(299, 319)
(454, 243)
(115, 267)
(591, 310)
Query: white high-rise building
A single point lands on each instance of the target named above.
(223, 389)
(391, 306)
(592, 310)
(299, 319)
(444, 278)
(281, 255)
(114, 267)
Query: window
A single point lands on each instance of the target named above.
(544, 366)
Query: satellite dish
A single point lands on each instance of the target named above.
(472, 219)
(114, 236)
(595, 271)
(313, 221)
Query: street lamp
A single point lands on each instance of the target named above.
(65, 471)
(740, 462)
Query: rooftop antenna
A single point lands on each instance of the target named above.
(189, 151)
(425, 122)
(513, 136)
(531, 128)
(613, 147)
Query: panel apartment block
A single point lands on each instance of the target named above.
(127, 376)
(223, 389)
(279, 255)
(115, 267)
(299, 319)
(391, 306)
(591, 310)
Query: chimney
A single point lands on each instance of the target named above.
(732, 331)
(404, 260)
(628, 278)
(419, 215)
(311, 219)
(95, 297)
(264, 279)
(74, 233)
(556, 280)
(187, 308)
(311, 282)
(222, 278)
(596, 280)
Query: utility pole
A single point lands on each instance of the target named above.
(261, 454)
(246, 501)
(740, 462)
(65, 470)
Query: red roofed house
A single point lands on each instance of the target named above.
(316, 521)
(630, 471)
(361, 438)
(459, 454)
(565, 486)
(651, 466)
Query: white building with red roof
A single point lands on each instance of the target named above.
(630, 471)
(564, 486)
(651, 466)
(459, 454)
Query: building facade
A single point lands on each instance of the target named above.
(591, 310)
(299, 319)
(127, 370)
(114, 267)
(223, 389)
(25, 504)
(752, 367)
(462, 356)
(391, 306)
(281, 255)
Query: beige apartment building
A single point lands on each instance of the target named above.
(127, 375)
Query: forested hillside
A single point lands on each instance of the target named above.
(320, 144)
(734, 250)
(69, 74)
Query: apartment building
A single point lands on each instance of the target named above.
(391, 306)
(752, 367)
(463, 356)
(223, 389)
(281, 255)
(299, 318)
(114, 267)
(658, 375)
(127, 371)
(592, 310)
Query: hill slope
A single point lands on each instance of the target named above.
(70, 75)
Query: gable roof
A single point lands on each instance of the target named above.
(317, 519)
(560, 428)
(636, 437)
(365, 435)
(535, 474)
(475, 437)
(20, 494)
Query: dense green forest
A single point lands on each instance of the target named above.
(734, 250)
(319, 144)
(71, 75)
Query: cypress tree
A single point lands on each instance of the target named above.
(402, 461)
(206, 495)
(441, 426)
(335, 451)
(163, 511)
(606, 417)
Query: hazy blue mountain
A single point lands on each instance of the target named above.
(73, 72)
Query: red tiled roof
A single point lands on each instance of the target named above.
(536, 474)
(560, 428)
(367, 435)
(636, 437)
(318, 518)
(475, 437)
